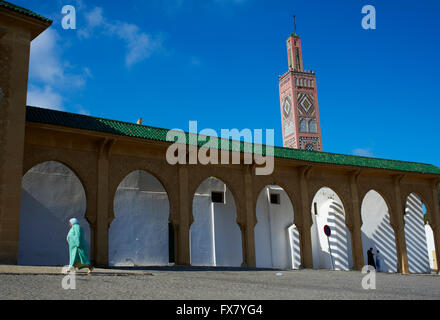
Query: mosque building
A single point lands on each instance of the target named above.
(139, 210)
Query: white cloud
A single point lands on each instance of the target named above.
(44, 98)
(50, 74)
(364, 152)
(94, 19)
(45, 64)
(139, 45)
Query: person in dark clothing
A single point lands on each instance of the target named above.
(370, 257)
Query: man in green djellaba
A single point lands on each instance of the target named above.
(77, 247)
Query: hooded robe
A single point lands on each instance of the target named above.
(77, 247)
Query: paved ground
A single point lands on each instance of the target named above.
(17, 282)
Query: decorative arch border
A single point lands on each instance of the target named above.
(383, 196)
(290, 195)
(81, 171)
(119, 173)
(420, 195)
(313, 190)
(235, 189)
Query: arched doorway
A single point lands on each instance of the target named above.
(377, 232)
(415, 235)
(276, 236)
(138, 235)
(214, 234)
(332, 252)
(51, 195)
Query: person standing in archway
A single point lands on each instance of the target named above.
(77, 247)
(370, 256)
(378, 260)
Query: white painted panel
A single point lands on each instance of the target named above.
(262, 232)
(377, 232)
(228, 248)
(334, 252)
(51, 195)
(416, 246)
(138, 236)
(295, 249)
(431, 245)
(202, 234)
(215, 235)
(276, 238)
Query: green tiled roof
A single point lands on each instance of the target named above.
(78, 121)
(18, 9)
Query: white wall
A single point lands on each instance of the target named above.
(51, 195)
(138, 236)
(276, 236)
(416, 246)
(377, 232)
(215, 235)
(334, 252)
(430, 245)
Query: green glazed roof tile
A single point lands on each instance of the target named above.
(18, 9)
(60, 118)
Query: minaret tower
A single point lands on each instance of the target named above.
(299, 101)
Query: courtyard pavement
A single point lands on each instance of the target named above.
(204, 283)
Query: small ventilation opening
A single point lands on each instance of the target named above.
(275, 198)
(217, 197)
(315, 207)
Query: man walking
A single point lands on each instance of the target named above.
(370, 258)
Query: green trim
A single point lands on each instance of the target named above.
(78, 121)
(18, 9)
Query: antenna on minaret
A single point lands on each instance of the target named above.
(294, 23)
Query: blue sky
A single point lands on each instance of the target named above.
(218, 61)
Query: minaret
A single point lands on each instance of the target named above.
(299, 102)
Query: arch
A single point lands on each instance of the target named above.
(276, 236)
(215, 237)
(80, 166)
(51, 194)
(260, 186)
(198, 177)
(334, 252)
(138, 235)
(377, 232)
(415, 235)
(120, 170)
(420, 196)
